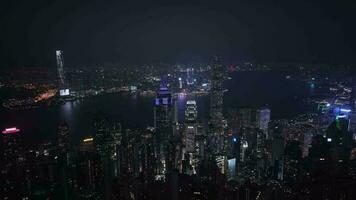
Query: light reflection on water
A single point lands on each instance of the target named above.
(137, 111)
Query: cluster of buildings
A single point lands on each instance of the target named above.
(242, 154)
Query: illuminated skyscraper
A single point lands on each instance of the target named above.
(164, 121)
(10, 146)
(216, 93)
(63, 87)
(263, 117)
(191, 112)
(244, 115)
(107, 137)
(163, 112)
(189, 153)
(106, 141)
(190, 79)
(215, 137)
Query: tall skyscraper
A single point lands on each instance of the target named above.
(216, 91)
(245, 116)
(164, 112)
(63, 87)
(164, 118)
(191, 112)
(190, 132)
(215, 137)
(263, 117)
(106, 141)
(11, 146)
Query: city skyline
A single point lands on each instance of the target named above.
(177, 100)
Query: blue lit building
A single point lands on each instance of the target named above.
(164, 121)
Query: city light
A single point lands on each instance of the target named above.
(88, 139)
(341, 116)
(10, 130)
(345, 110)
(137, 113)
(64, 92)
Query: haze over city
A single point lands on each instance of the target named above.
(177, 100)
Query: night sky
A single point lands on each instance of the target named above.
(99, 32)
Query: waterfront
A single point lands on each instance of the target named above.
(284, 97)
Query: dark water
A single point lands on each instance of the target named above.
(283, 96)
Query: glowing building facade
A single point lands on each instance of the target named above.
(263, 117)
(163, 111)
(164, 121)
(63, 87)
(191, 112)
(215, 143)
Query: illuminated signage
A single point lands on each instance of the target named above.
(64, 92)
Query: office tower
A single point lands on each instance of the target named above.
(146, 153)
(86, 163)
(165, 121)
(65, 157)
(191, 126)
(263, 116)
(191, 112)
(106, 142)
(60, 64)
(163, 112)
(63, 87)
(215, 137)
(189, 153)
(276, 131)
(11, 146)
(216, 93)
(245, 116)
(106, 137)
(190, 79)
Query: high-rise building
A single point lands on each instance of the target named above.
(191, 112)
(263, 117)
(216, 91)
(189, 153)
(63, 87)
(164, 112)
(106, 137)
(11, 146)
(191, 126)
(215, 137)
(164, 124)
(245, 116)
(106, 141)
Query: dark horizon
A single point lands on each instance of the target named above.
(94, 32)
